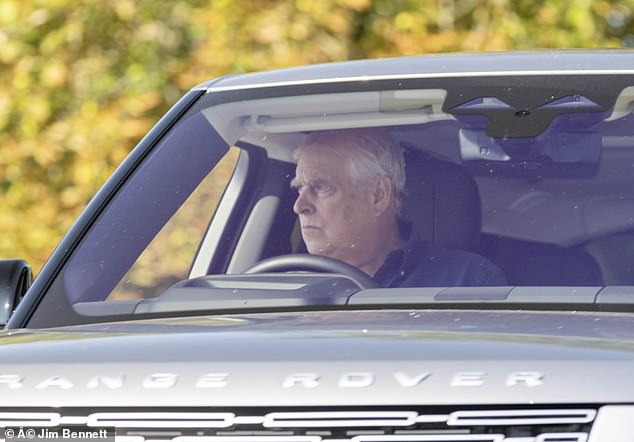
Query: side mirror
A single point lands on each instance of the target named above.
(15, 280)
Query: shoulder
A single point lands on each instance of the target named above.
(451, 267)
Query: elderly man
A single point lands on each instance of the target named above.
(350, 184)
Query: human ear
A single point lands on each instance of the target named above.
(382, 194)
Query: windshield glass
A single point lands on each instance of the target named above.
(401, 190)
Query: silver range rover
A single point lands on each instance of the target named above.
(208, 294)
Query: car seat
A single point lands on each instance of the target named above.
(537, 264)
(441, 202)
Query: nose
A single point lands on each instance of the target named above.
(303, 205)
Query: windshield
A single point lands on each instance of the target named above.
(429, 190)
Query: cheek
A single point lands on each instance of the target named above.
(355, 215)
(343, 215)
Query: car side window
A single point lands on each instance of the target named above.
(168, 258)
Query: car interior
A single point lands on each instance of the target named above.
(541, 186)
(536, 228)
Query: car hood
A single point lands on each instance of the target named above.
(325, 358)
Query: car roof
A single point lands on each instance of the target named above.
(600, 61)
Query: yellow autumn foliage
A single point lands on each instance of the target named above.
(81, 81)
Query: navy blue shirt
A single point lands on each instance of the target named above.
(423, 264)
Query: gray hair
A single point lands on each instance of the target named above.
(370, 152)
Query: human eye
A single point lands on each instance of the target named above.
(296, 185)
(323, 188)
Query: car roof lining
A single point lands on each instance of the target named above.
(277, 124)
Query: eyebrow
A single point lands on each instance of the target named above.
(295, 183)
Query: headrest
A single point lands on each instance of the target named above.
(442, 202)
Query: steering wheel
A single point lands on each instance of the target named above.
(313, 263)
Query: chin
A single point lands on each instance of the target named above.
(318, 249)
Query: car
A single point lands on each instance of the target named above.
(183, 303)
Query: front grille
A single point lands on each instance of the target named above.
(319, 425)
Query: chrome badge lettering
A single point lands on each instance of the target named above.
(358, 379)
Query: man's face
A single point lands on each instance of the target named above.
(334, 214)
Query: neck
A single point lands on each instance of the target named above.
(388, 243)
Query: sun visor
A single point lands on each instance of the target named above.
(305, 113)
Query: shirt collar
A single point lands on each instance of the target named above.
(398, 262)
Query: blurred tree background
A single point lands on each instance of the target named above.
(82, 80)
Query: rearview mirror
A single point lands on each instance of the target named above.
(558, 148)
